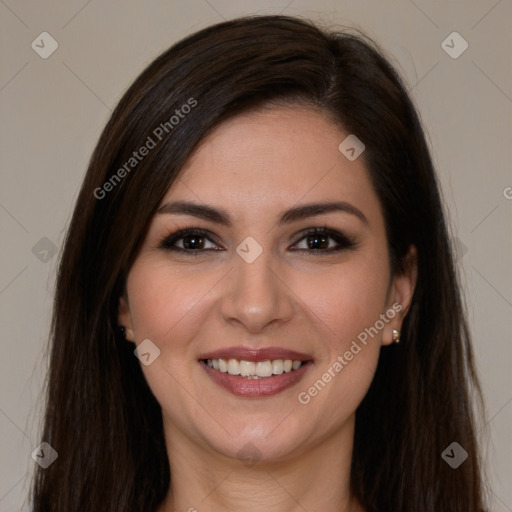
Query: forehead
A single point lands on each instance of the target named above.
(272, 158)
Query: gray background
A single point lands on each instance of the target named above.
(53, 110)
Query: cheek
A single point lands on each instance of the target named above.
(347, 299)
(347, 302)
(160, 299)
(165, 306)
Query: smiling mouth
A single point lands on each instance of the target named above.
(254, 369)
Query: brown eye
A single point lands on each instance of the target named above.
(318, 241)
(188, 240)
(321, 239)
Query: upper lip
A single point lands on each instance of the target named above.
(255, 354)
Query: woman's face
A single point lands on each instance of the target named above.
(254, 286)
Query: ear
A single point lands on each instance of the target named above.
(124, 318)
(400, 295)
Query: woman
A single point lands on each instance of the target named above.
(257, 305)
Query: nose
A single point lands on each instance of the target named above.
(256, 295)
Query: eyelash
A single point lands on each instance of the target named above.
(343, 241)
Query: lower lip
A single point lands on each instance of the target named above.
(267, 386)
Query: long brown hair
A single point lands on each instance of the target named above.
(102, 418)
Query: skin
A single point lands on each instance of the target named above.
(255, 166)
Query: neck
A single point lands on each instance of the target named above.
(204, 481)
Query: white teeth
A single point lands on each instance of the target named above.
(233, 367)
(277, 367)
(247, 368)
(254, 370)
(263, 368)
(296, 365)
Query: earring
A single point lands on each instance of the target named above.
(396, 336)
(122, 331)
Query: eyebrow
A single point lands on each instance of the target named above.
(220, 216)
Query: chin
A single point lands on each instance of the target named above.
(261, 442)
